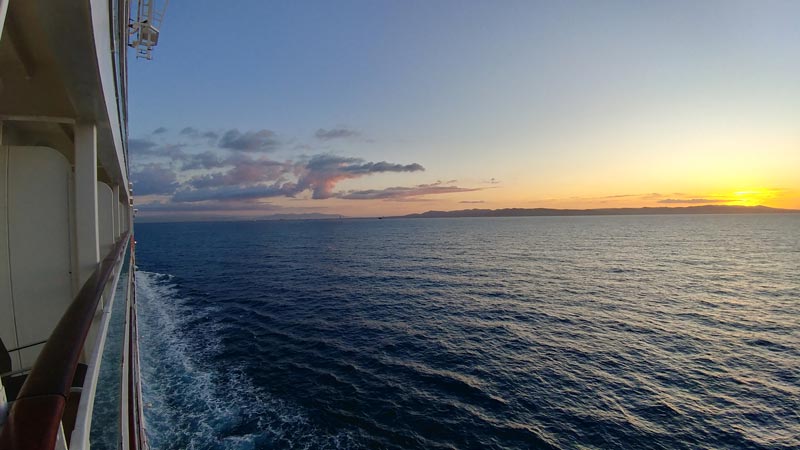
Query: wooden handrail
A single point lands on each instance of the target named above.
(34, 420)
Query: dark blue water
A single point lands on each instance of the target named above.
(105, 433)
(506, 333)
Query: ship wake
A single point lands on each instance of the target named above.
(193, 403)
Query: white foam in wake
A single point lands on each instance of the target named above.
(195, 404)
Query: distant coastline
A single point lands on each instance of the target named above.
(529, 212)
(507, 212)
(270, 217)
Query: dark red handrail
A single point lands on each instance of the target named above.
(34, 420)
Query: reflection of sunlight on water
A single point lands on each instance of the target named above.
(670, 331)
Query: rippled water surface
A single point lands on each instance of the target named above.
(501, 333)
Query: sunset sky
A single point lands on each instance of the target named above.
(372, 108)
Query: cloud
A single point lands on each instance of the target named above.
(154, 179)
(140, 145)
(244, 171)
(145, 148)
(194, 133)
(190, 132)
(335, 133)
(204, 160)
(172, 151)
(207, 206)
(323, 172)
(210, 168)
(249, 141)
(235, 192)
(252, 178)
(472, 201)
(622, 196)
(692, 201)
(398, 192)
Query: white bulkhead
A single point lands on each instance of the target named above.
(39, 270)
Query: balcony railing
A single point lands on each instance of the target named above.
(35, 419)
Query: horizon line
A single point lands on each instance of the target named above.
(430, 213)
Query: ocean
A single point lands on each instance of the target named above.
(623, 332)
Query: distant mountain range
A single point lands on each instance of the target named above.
(524, 212)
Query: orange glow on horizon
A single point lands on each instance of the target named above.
(511, 196)
(755, 197)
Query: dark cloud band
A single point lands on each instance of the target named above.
(235, 169)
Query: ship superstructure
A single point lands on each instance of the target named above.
(66, 216)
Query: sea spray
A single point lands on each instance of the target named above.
(191, 403)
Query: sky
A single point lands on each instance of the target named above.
(374, 108)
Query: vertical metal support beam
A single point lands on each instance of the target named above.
(3, 12)
(61, 439)
(117, 212)
(129, 210)
(3, 404)
(8, 328)
(86, 220)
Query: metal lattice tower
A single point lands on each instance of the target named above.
(145, 28)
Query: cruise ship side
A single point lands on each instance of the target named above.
(66, 226)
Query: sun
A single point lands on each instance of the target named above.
(753, 197)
